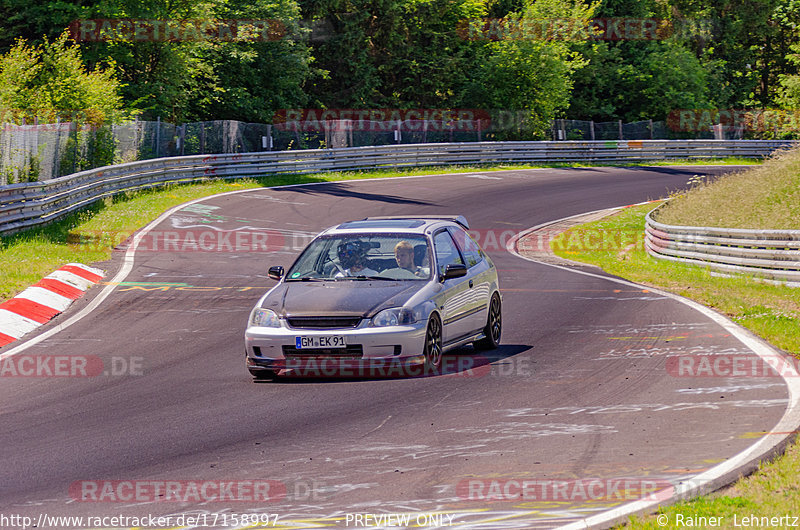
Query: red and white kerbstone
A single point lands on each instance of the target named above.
(39, 303)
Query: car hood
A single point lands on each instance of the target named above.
(349, 297)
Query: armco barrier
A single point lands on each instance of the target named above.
(773, 254)
(31, 204)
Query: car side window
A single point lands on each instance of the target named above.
(469, 248)
(446, 251)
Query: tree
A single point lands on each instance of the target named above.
(530, 72)
(50, 81)
(392, 53)
(638, 81)
(250, 79)
(789, 94)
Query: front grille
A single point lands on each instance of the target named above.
(323, 322)
(351, 351)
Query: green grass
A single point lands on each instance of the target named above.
(777, 308)
(770, 311)
(765, 197)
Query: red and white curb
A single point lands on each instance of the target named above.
(37, 304)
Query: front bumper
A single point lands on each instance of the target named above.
(371, 351)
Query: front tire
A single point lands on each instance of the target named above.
(433, 343)
(494, 326)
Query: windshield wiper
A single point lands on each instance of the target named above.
(362, 277)
(307, 279)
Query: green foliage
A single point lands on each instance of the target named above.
(249, 81)
(398, 54)
(50, 81)
(531, 74)
(391, 53)
(747, 52)
(790, 83)
(201, 77)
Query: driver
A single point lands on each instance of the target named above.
(353, 257)
(404, 256)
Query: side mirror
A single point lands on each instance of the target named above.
(276, 273)
(455, 270)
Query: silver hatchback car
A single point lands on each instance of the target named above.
(380, 296)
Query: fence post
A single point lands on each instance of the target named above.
(202, 137)
(651, 128)
(591, 128)
(266, 141)
(182, 138)
(620, 130)
(31, 155)
(74, 125)
(56, 164)
(158, 136)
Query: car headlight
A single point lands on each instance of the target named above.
(264, 318)
(396, 316)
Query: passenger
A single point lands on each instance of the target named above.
(353, 257)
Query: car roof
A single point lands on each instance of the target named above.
(412, 224)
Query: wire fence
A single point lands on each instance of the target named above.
(638, 130)
(47, 151)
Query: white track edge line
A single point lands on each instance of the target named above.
(787, 423)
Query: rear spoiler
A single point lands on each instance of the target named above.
(460, 219)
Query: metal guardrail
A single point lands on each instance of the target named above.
(32, 204)
(773, 254)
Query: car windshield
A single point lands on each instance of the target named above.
(391, 257)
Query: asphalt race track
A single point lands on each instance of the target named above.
(580, 391)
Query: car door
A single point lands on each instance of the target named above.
(479, 279)
(454, 298)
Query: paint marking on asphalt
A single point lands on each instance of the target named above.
(483, 177)
(693, 486)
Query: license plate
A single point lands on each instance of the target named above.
(323, 341)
